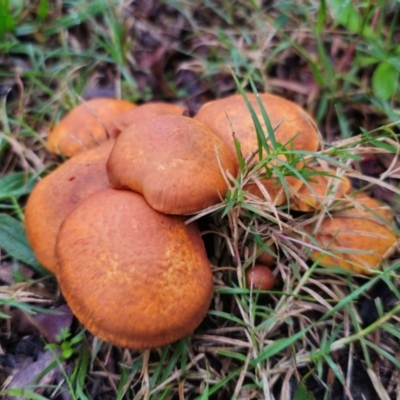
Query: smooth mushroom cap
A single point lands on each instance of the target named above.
(231, 115)
(321, 190)
(259, 277)
(86, 126)
(268, 258)
(55, 196)
(277, 193)
(177, 163)
(134, 277)
(147, 110)
(357, 239)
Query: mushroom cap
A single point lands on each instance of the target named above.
(56, 195)
(147, 110)
(134, 277)
(259, 277)
(320, 190)
(266, 258)
(175, 162)
(357, 238)
(231, 115)
(86, 126)
(277, 193)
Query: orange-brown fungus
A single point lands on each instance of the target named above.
(276, 192)
(177, 163)
(55, 196)
(268, 258)
(134, 277)
(356, 239)
(320, 190)
(86, 126)
(259, 277)
(145, 111)
(231, 115)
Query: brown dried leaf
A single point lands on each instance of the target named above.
(26, 374)
(50, 325)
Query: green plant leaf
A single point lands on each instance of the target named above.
(13, 240)
(261, 140)
(7, 20)
(346, 14)
(24, 392)
(384, 80)
(270, 129)
(321, 17)
(279, 345)
(303, 394)
(15, 185)
(43, 9)
(242, 163)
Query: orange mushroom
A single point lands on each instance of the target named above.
(259, 277)
(319, 190)
(356, 239)
(87, 125)
(134, 277)
(146, 110)
(55, 196)
(277, 193)
(177, 163)
(231, 115)
(268, 258)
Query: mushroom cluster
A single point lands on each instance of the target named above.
(110, 221)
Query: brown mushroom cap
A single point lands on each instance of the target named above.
(55, 196)
(266, 258)
(357, 238)
(86, 126)
(147, 110)
(277, 193)
(320, 190)
(231, 115)
(259, 277)
(177, 163)
(134, 277)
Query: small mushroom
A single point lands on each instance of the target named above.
(231, 115)
(268, 258)
(147, 110)
(133, 276)
(259, 277)
(319, 190)
(87, 125)
(55, 196)
(177, 163)
(356, 239)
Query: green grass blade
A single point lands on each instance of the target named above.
(267, 121)
(14, 242)
(16, 184)
(262, 142)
